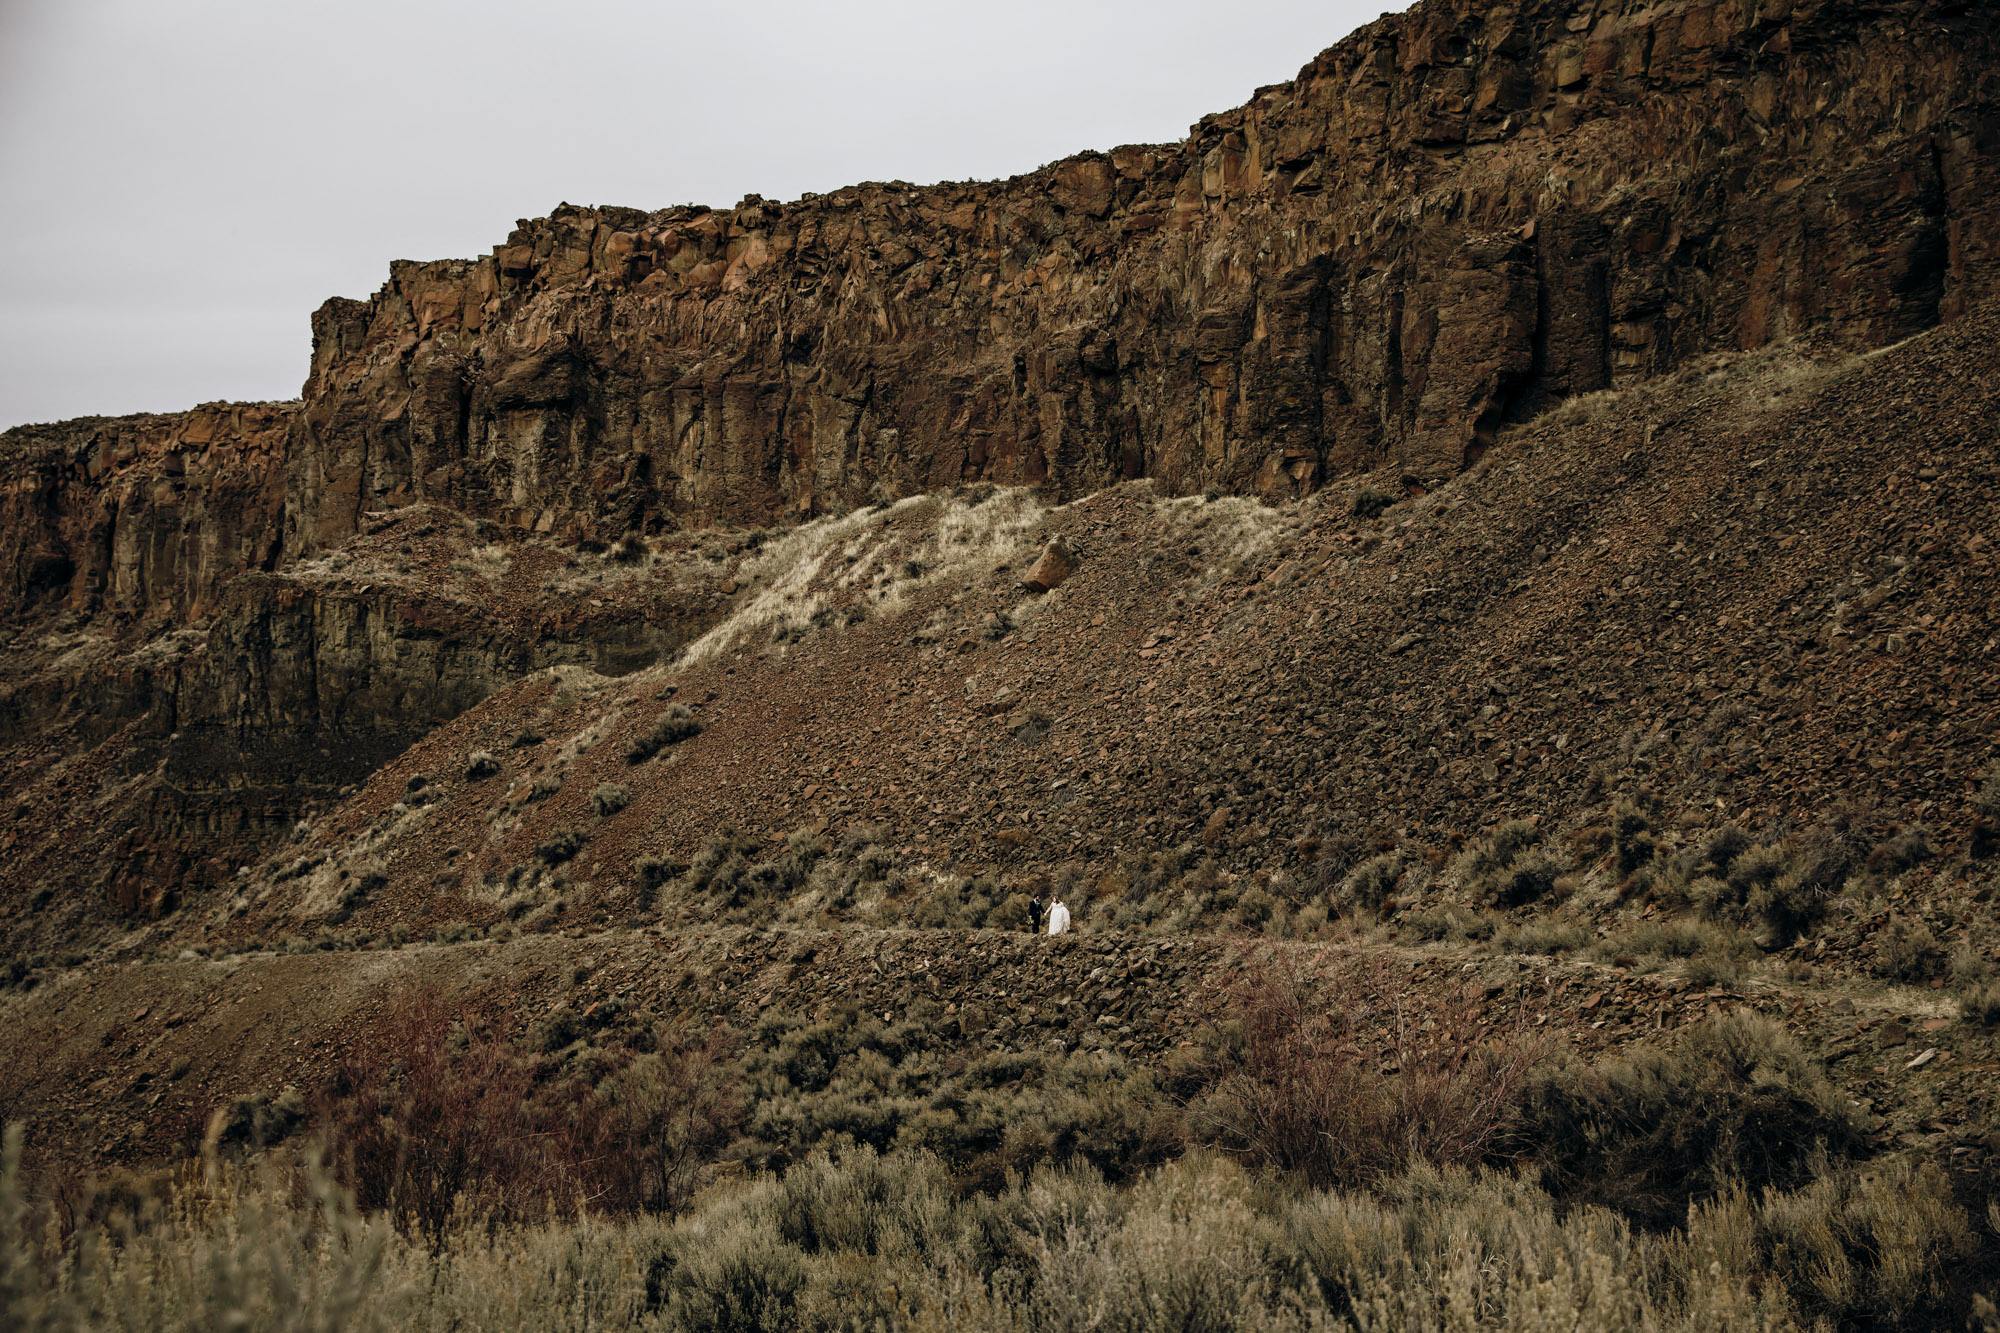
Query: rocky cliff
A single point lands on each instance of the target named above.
(1456, 217)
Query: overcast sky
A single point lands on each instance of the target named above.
(183, 181)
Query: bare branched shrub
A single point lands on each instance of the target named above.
(440, 1117)
(659, 1122)
(1352, 1085)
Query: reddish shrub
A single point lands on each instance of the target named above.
(448, 1115)
(1350, 1080)
(442, 1118)
(657, 1122)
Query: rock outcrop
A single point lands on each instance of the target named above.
(144, 516)
(1456, 217)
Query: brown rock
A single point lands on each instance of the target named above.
(1056, 564)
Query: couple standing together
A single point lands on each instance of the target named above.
(1058, 917)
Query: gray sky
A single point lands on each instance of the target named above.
(183, 181)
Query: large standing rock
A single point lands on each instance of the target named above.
(1057, 563)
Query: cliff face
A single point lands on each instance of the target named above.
(144, 516)
(1458, 216)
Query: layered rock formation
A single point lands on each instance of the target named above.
(1457, 216)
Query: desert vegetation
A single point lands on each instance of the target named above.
(609, 1170)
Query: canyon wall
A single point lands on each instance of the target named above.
(1454, 218)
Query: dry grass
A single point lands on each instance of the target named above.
(885, 1241)
(818, 572)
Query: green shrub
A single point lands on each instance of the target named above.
(1879, 1249)
(608, 798)
(1778, 890)
(1908, 951)
(1649, 1133)
(355, 893)
(1508, 867)
(257, 1120)
(1723, 847)
(560, 846)
(674, 725)
(1254, 909)
(860, 1240)
(1901, 851)
(1369, 883)
(1981, 1004)
(1370, 502)
(649, 873)
(1632, 841)
(1528, 878)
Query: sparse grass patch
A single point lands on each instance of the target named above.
(1542, 936)
(1450, 922)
